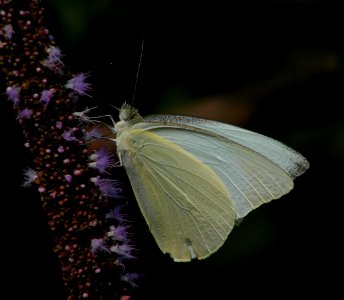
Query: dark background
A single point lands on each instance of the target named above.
(275, 67)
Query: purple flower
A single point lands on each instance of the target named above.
(103, 160)
(33, 77)
(98, 245)
(59, 124)
(131, 278)
(30, 175)
(117, 214)
(68, 135)
(7, 31)
(107, 187)
(25, 114)
(78, 84)
(118, 233)
(13, 93)
(46, 96)
(123, 250)
(69, 178)
(53, 61)
(54, 53)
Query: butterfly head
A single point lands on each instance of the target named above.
(128, 116)
(127, 113)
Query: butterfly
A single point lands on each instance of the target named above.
(194, 178)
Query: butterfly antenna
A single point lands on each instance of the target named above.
(138, 68)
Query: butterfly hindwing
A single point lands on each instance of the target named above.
(186, 205)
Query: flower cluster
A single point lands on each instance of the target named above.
(83, 205)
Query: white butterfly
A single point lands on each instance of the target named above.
(194, 178)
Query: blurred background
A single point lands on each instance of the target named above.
(274, 67)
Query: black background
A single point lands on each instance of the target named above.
(275, 67)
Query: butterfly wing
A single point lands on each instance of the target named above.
(252, 173)
(286, 158)
(185, 204)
